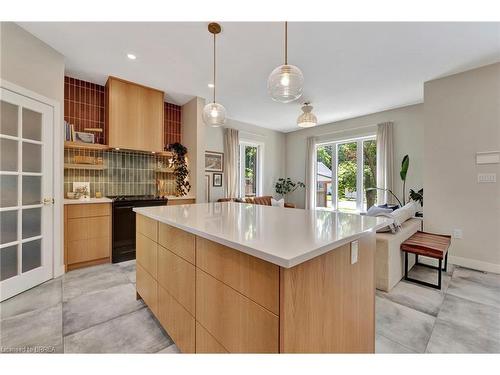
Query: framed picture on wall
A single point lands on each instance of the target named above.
(214, 161)
(217, 180)
(207, 188)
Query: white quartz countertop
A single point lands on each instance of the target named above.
(174, 198)
(283, 236)
(90, 201)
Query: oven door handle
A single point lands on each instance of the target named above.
(123, 207)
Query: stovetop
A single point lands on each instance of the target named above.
(126, 198)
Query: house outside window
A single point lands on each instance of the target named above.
(250, 168)
(344, 170)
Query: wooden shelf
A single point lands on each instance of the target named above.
(98, 167)
(164, 170)
(85, 146)
(165, 153)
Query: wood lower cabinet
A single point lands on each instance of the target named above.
(214, 299)
(87, 235)
(176, 202)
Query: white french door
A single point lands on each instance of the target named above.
(26, 193)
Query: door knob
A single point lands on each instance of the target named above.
(48, 201)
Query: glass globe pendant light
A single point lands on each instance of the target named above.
(214, 114)
(307, 119)
(286, 81)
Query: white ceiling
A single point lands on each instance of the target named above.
(350, 69)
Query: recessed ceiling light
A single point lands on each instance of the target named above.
(211, 85)
(131, 56)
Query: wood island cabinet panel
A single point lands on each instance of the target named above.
(328, 304)
(147, 227)
(147, 287)
(236, 322)
(147, 253)
(205, 342)
(134, 116)
(177, 321)
(252, 277)
(178, 277)
(177, 241)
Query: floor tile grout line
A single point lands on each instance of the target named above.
(396, 342)
(106, 321)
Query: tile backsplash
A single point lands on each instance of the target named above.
(125, 173)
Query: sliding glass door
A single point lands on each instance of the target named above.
(344, 170)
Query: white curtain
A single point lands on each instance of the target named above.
(231, 154)
(310, 171)
(385, 161)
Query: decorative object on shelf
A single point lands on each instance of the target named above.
(214, 114)
(217, 180)
(98, 194)
(214, 161)
(307, 119)
(81, 159)
(181, 171)
(84, 137)
(286, 81)
(285, 186)
(417, 196)
(82, 189)
(388, 190)
(404, 171)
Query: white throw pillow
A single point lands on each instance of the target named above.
(404, 213)
(275, 203)
(374, 211)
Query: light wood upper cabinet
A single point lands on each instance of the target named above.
(134, 116)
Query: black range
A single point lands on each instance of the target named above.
(124, 223)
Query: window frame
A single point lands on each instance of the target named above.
(241, 166)
(334, 168)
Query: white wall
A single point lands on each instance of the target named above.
(28, 62)
(274, 152)
(462, 117)
(408, 139)
(192, 135)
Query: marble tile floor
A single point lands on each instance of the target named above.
(94, 310)
(90, 310)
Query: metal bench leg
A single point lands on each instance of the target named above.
(445, 269)
(406, 265)
(439, 274)
(416, 259)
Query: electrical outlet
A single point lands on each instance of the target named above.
(457, 233)
(483, 178)
(354, 252)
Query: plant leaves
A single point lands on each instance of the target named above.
(404, 167)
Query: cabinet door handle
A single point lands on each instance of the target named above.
(48, 201)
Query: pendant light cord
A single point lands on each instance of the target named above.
(214, 68)
(286, 43)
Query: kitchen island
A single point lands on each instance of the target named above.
(243, 278)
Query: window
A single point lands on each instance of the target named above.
(250, 167)
(344, 170)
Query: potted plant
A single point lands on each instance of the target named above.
(181, 171)
(285, 185)
(403, 173)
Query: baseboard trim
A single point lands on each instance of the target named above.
(464, 262)
(475, 264)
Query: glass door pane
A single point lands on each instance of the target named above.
(369, 173)
(347, 175)
(324, 181)
(250, 171)
(8, 119)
